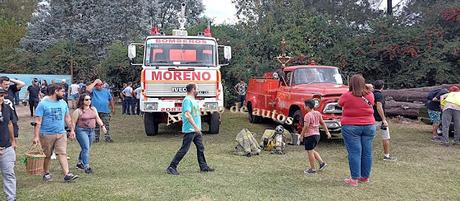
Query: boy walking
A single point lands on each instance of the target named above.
(310, 136)
(191, 127)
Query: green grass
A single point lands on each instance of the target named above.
(133, 168)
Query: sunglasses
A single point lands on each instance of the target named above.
(2, 95)
(87, 99)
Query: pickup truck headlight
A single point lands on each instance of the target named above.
(332, 108)
(317, 102)
(150, 106)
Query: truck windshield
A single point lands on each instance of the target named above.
(185, 52)
(317, 75)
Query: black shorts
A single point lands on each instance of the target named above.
(310, 142)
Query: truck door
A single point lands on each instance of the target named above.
(284, 94)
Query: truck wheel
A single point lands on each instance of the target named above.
(214, 123)
(253, 119)
(150, 125)
(297, 124)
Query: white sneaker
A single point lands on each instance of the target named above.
(53, 156)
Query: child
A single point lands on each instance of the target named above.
(311, 136)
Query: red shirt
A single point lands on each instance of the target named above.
(356, 111)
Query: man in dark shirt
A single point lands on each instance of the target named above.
(380, 119)
(12, 86)
(34, 95)
(433, 105)
(7, 148)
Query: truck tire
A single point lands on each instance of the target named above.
(150, 125)
(253, 119)
(214, 123)
(297, 123)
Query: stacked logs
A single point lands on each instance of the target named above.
(408, 103)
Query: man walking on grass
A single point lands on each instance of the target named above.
(191, 127)
(380, 119)
(102, 100)
(7, 148)
(50, 117)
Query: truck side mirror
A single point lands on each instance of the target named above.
(228, 53)
(131, 51)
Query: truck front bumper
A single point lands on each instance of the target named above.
(334, 126)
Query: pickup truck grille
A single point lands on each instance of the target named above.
(178, 90)
(332, 108)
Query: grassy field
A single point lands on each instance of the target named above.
(133, 168)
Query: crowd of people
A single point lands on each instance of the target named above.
(93, 104)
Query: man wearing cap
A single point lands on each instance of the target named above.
(102, 99)
(450, 104)
(11, 86)
(66, 88)
(34, 95)
(7, 148)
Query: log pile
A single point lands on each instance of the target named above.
(408, 102)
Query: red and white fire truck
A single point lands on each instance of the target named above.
(280, 95)
(170, 62)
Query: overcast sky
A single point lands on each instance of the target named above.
(223, 11)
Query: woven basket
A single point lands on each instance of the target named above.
(34, 160)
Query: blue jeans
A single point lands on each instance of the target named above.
(358, 141)
(85, 138)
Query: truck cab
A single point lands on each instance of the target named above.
(285, 91)
(169, 63)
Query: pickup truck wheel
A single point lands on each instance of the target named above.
(150, 125)
(253, 119)
(214, 123)
(297, 124)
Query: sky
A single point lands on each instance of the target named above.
(223, 11)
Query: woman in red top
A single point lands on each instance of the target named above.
(84, 119)
(358, 129)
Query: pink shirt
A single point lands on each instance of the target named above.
(312, 122)
(356, 111)
(87, 118)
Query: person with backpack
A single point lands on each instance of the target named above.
(450, 104)
(84, 120)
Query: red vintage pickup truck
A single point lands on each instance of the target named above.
(281, 95)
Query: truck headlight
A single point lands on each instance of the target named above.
(332, 108)
(317, 101)
(211, 106)
(150, 106)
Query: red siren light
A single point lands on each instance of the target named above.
(154, 31)
(207, 30)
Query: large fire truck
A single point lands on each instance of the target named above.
(170, 62)
(282, 94)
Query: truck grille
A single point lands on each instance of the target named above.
(332, 108)
(178, 90)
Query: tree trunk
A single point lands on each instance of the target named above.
(406, 109)
(412, 94)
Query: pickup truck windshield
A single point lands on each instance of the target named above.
(317, 75)
(180, 52)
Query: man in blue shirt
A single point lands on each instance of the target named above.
(50, 117)
(101, 100)
(191, 127)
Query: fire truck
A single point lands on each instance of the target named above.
(169, 63)
(280, 95)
